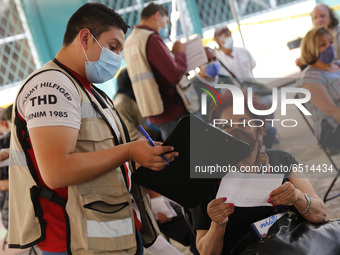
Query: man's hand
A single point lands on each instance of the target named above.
(219, 211)
(178, 47)
(144, 154)
(4, 154)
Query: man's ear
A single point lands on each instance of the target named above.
(84, 35)
(157, 16)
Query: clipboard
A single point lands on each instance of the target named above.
(198, 143)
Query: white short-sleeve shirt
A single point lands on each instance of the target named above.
(50, 99)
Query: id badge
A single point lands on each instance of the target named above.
(261, 227)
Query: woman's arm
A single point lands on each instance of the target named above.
(321, 99)
(292, 193)
(210, 242)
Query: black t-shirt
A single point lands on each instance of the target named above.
(239, 221)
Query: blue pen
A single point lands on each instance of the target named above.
(150, 140)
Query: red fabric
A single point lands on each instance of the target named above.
(127, 175)
(54, 215)
(168, 70)
(138, 223)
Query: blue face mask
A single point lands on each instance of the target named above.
(163, 32)
(328, 55)
(228, 43)
(105, 68)
(212, 69)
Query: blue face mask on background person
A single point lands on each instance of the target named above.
(163, 32)
(328, 55)
(105, 68)
(228, 43)
(212, 69)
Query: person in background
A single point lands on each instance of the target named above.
(322, 78)
(323, 16)
(154, 70)
(238, 60)
(125, 103)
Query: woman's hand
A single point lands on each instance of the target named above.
(286, 194)
(219, 211)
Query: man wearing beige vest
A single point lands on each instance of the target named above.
(154, 70)
(71, 159)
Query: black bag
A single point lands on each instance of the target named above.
(258, 88)
(292, 234)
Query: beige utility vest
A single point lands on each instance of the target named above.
(144, 85)
(99, 215)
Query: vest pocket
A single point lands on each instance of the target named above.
(103, 207)
(109, 222)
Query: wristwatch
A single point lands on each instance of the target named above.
(309, 203)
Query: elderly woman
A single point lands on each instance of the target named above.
(219, 224)
(322, 79)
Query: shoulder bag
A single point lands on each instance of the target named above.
(292, 234)
(188, 95)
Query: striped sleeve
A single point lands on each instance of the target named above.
(314, 77)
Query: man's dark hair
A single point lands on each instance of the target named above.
(151, 9)
(98, 18)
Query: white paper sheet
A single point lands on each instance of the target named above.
(248, 190)
(161, 246)
(162, 205)
(195, 53)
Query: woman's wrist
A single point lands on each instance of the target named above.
(218, 227)
(301, 203)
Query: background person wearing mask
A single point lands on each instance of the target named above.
(154, 70)
(323, 16)
(237, 60)
(322, 78)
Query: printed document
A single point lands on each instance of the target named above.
(195, 53)
(162, 205)
(247, 189)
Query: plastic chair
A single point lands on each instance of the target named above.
(325, 199)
